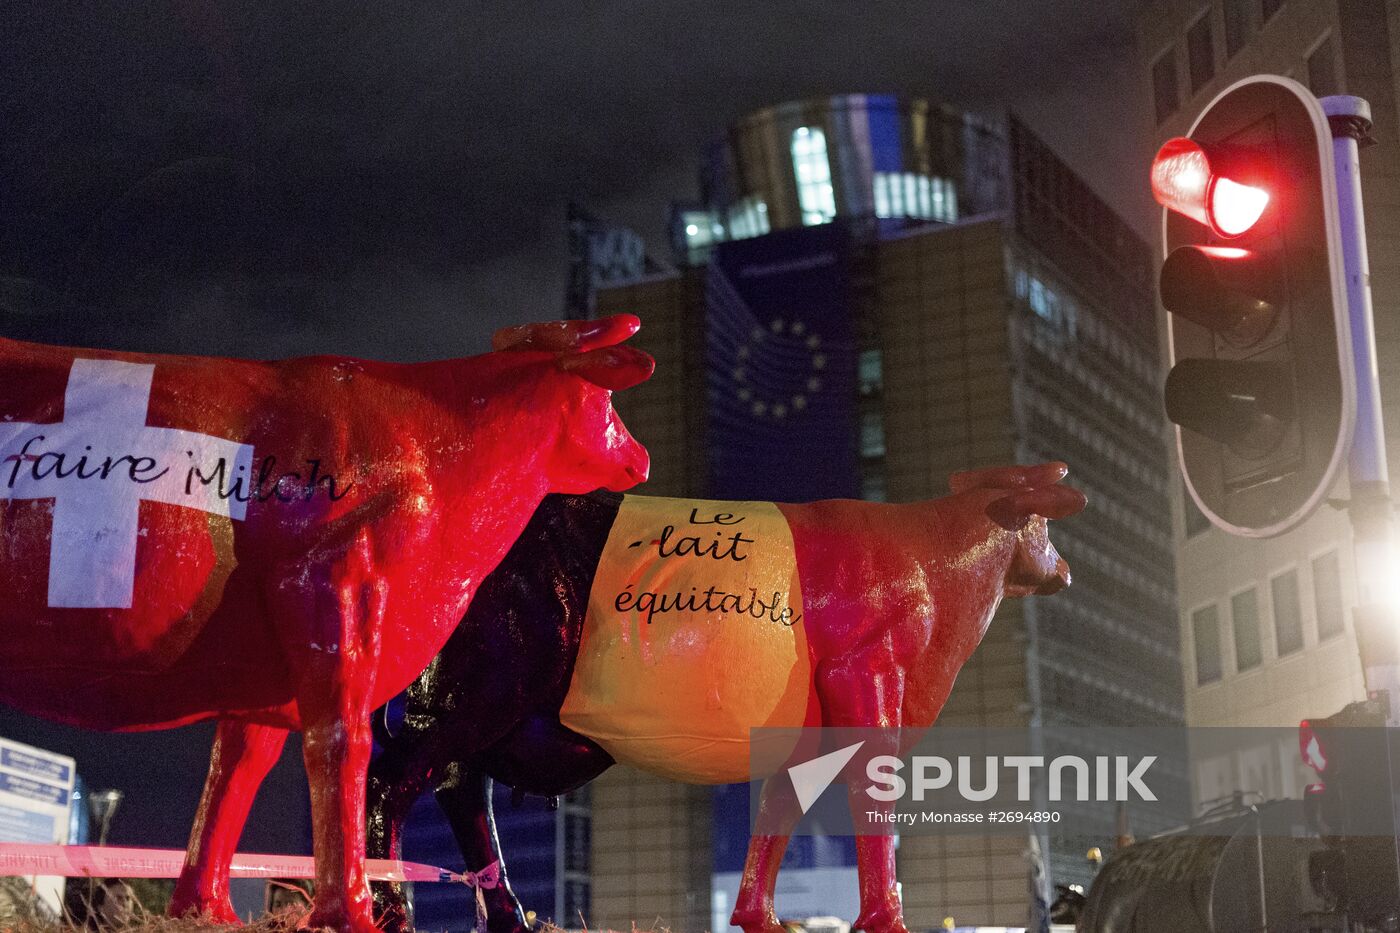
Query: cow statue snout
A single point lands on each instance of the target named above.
(1033, 497)
(1057, 581)
(594, 450)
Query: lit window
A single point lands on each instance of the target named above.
(872, 484)
(872, 435)
(872, 375)
(908, 194)
(748, 218)
(809, 163)
(701, 228)
(1042, 299)
(882, 195)
(702, 231)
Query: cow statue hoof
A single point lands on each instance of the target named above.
(881, 922)
(757, 921)
(510, 925)
(340, 922)
(394, 919)
(216, 909)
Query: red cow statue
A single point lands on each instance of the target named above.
(639, 629)
(277, 545)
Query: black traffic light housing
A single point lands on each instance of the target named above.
(1353, 808)
(1262, 389)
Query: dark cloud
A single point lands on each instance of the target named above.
(391, 181)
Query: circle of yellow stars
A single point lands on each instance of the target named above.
(779, 408)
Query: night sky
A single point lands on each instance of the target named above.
(269, 180)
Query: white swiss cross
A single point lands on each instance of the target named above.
(98, 464)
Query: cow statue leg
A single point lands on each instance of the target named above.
(853, 697)
(243, 755)
(397, 777)
(753, 908)
(342, 604)
(465, 797)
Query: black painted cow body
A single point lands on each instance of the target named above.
(487, 709)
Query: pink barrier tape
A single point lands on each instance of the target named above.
(18, 858)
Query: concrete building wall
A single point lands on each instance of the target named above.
(666, 413)
(940, 310)
(651, 853)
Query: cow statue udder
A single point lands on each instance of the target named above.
(896, 599)
(277, 545)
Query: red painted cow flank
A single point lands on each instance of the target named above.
(283, 545)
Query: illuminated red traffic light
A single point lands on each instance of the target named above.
(1310, 746)
(1234, 207)
(1182, 180)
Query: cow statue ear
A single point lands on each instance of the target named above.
(1014, 509)
(564, 336)
(614, 368)
(1009, 477)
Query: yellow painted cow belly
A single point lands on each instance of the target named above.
(695, 634)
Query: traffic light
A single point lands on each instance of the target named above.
(1352, 808)
(1262, 388)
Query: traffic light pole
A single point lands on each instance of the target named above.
(1377, 615)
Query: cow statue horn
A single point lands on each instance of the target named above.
(1009, 477)
(614, 368)
(1013, 510)
(561, 336)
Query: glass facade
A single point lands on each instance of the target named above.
(868, 158)
(748, 217)
(813, 172)
(1083, 353)
(905, 194)
(1086, 397)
